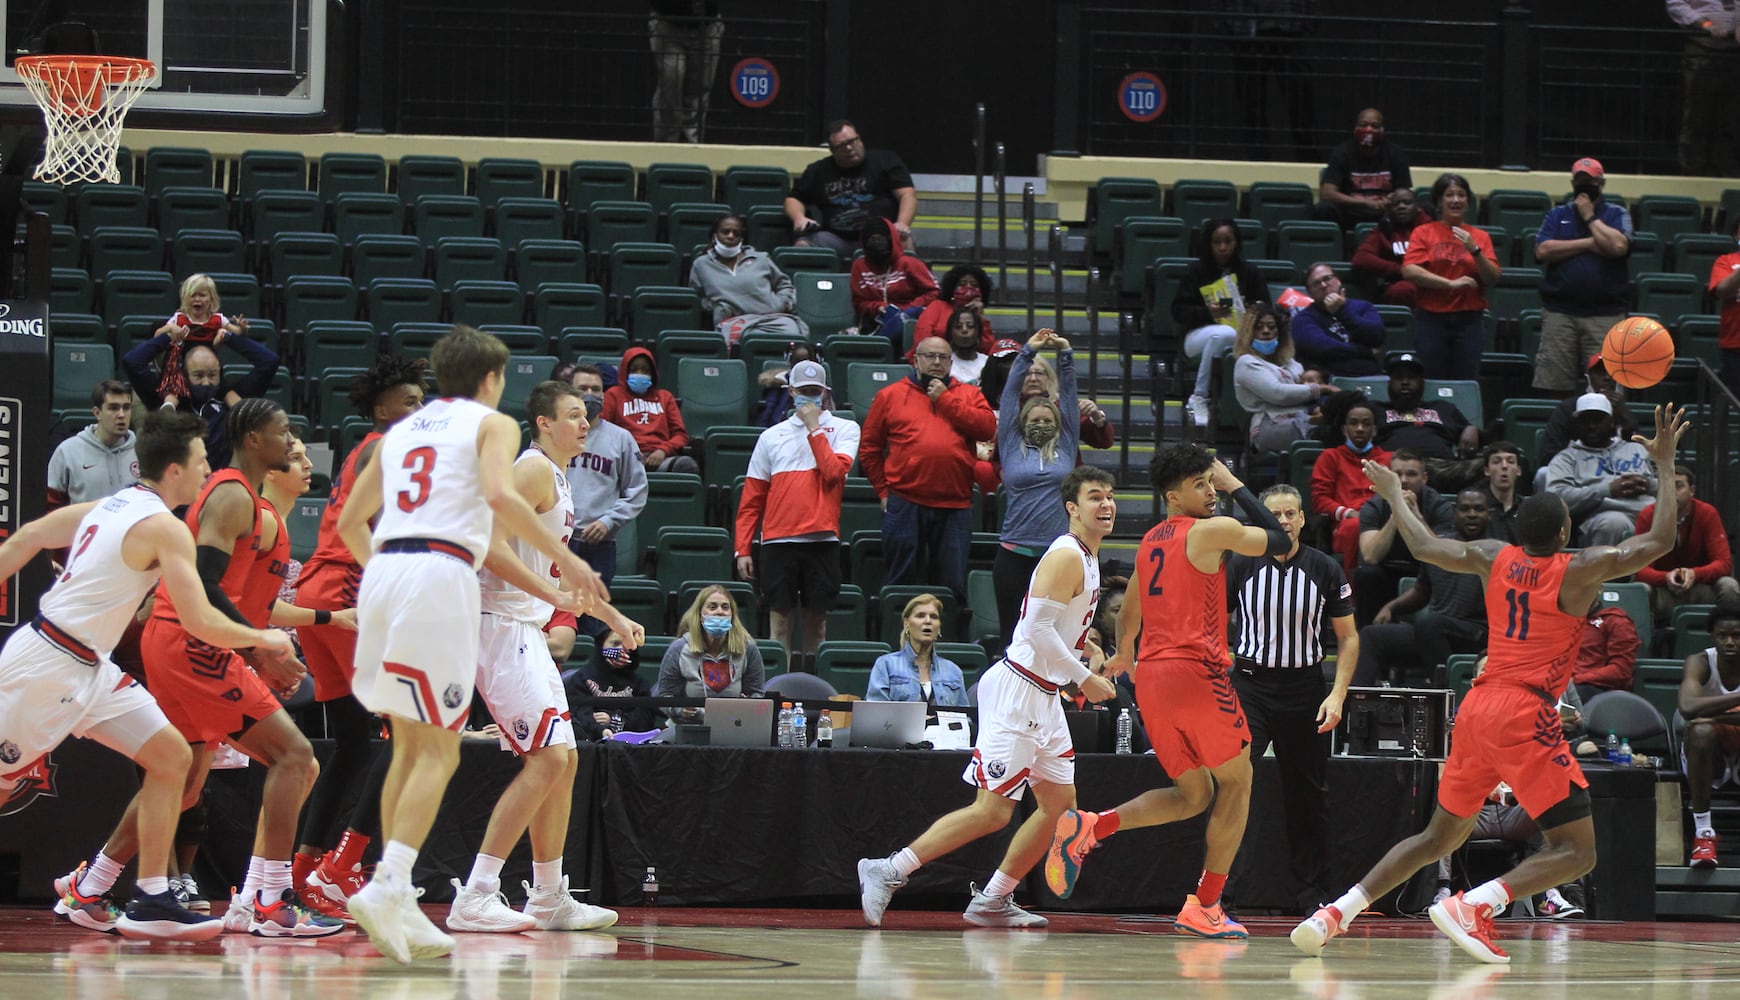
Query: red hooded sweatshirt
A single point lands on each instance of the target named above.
(907, 282)
(652, 417)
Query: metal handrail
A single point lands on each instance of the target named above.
(1028, 210)
(1000, 183)
(979, 180)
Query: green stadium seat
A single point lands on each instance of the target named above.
(1517, 288)
(261, 170)
(524, 372)
(891, 601)
(1668, 216)
(725, 455)
(208, 251)
(1658, 682)
(1648, 253)
(541, 262)
(653, 310)
(141, 292)
(49, 199)
(744, 188)
(416, 340)
(275, 212)
(1143, 240)
(339, 344)
(521, 340)
(1195, 200)
(1696, 337)
(487, 303)
(1305, 242)
(341, 173)
(849, 617)
(292, 254)
(1695, 253)
(692, 552)
(669, 183)
(78, 328)
(78, 367)
(380, 255)
(304, 524)
(517, 220)
(438, 215)
(1465, 394)
(824, 302)
(1670, 295)
(390, 301)
(417, 176)
(633, 265)
(864, 380)
(825, 260)
(1275, 202)
(355, 214)
(673, 345)
(675, 499)
(240, 295)
(66, 250)
(769, 228)
(847, 664)
(560, 306)
(576, 341)
(1691, 625)
(748, 605)
(125, 248)
(1116, 199)
(867, 564)
(311, 297)
(469, 258)
(501, 177)
(173, 166)
(1516, 212)
(180, 208)
(1633, 599)
(642, 600)
(715, 392)
(690, 223)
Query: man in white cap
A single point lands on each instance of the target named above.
(791, 497)
(1583, 245)
(1605, 481)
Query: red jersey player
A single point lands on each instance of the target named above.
(1183, 685)
(1507, 728)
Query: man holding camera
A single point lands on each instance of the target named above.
(918, 452)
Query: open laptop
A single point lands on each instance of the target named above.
(890, 725)
(740, 722)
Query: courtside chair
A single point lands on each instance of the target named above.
(1144, 239)
(98, 205)
(1669, 216)
(356, 213)
(500, 177)
(142, 292)
(540, 262)
(715, 394)
(438, 215)
(745, 188)
(487, 303)
(123, 248)
(175, 166)
(520, 220)
(469, 258)
(338, 173)
(1275, 202)
(379, 255)
(391, 301)
(559, 306)
(653, 310)
(417, 176)
(205, 251)
(261, 170)
(181, 208)
(1116, 199)
(308, 298)
(275, 212)
(669, 183)
(304, 253)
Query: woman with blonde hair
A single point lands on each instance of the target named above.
(713, 656)
(1269, 384)
(913, 672)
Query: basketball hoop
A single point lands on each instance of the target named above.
(83, 99)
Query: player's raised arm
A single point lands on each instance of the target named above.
(1446, 553)
(51, 531)
(1263, 536)
(1602, 563)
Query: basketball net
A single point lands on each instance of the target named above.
(84, 100)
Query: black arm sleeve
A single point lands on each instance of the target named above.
(212, 562)
(1263, 518)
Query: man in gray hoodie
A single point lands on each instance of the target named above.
(98, 460)
(1605, 482)
(608, 483)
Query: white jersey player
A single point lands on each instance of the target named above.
(521, 685)
(1023, 736)
(56, 676)
(440, 480)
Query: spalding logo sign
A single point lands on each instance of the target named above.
(20, 327)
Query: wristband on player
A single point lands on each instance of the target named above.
(322, 617)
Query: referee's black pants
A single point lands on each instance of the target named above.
(1281, 708)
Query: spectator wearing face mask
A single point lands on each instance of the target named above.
(776, 402)
(613, 673)
(742, 289)
(1361, 173)
(650, 413)
(1339, 486)
(1269, 384)
(608, 483)
(1584, 245)
(208, 393)
(888, 284)
(964, 288)
(713, 656)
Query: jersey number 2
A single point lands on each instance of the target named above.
(1517, 627)
(1158, 556)
(421, 463)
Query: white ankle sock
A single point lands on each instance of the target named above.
(485, 873)
(547, 875)
(274, 879)
(1352, 903)
(1494, 894)
(905, 862)
(154, 885)
(99, 875)
(1700, 826)
(396, 862)
(1000, 885)
(256, 873)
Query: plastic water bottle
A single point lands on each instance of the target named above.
(1625, 752)
(825, 730)
(1124, 730)
(649, 887)
(784, 724)
(1612, 746)
(800, 737)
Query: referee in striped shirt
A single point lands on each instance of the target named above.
(1283, 603)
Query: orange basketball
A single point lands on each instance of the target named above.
(1638, 352)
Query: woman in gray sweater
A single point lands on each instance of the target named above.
(1037, 448)
(713, 656)
(742, 288)
(1269, 384)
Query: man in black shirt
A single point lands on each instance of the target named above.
(1383, 557)
(1362, 171)
(1504, 489)
(1283, 603)
(1436, 429)
(832, 199)
(1449, 613)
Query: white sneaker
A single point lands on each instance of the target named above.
(556, 909)
(999, 911)
(424, 939)
(877, 881)
(240, 916)
(379, 910)
(483, 909)
(1442, 894)
(1198, 408)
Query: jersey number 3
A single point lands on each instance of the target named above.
(420, 462)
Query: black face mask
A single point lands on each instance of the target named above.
(1592, 191)
(594, 406)
(202, 394)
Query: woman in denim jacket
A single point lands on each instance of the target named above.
(914, 672)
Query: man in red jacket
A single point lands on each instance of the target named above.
(1607, 657)
(918, 452)
(1700, 569)
(1338, 486)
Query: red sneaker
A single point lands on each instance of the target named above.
(1470, 926)
(1704, 852)
(336, 883)
(314, 899)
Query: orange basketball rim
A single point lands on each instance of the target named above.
(84, 100)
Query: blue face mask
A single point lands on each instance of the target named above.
(716, 624)
(802, 398)
(1356, 449)
(638, 383)
(1265, 347)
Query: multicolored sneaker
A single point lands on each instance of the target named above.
(1704, 851)
(1470, 926)
(97, 913)
(338, 884)
(287, 917)
(315, 900)
(1070, 844)
(161, 917)
(555, 909)
(1206, 921)
(1556, 904)
(1315, 931)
